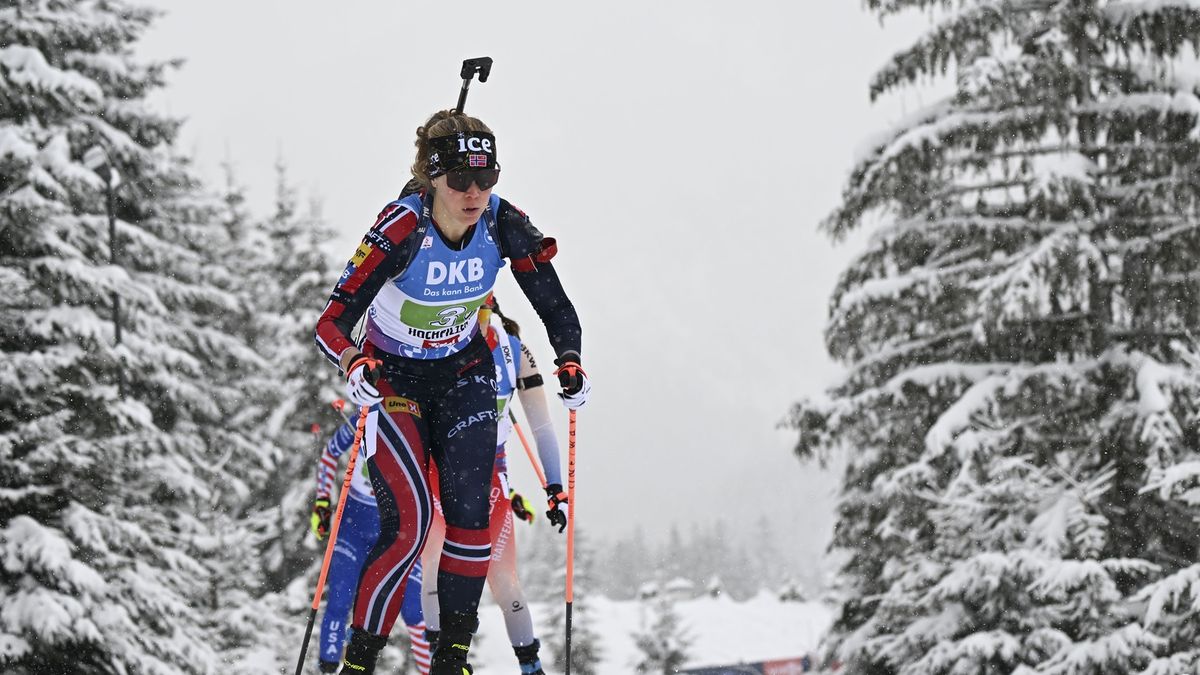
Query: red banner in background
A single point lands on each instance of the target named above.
(787, 667)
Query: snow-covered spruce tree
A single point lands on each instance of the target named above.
(110, 448)
(1171, 602)
(249, 623)
(292, 279)
(664, 642)
(1013, 392)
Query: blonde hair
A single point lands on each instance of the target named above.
(442, 123)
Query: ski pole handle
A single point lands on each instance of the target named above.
(340, 406)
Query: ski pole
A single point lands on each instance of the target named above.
(528, 450)
(340, 406)
(333, 533)
(570, 533)
(481, 65)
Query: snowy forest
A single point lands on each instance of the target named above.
(1019, 414)
(1018, 419)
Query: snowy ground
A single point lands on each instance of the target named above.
(724, 632)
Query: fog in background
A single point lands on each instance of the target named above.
(682, 154)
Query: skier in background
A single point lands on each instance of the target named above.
(423, 270)
(517, 372)
(357, 534)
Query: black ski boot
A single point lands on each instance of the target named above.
(361, 654)
(454, 641)
(431, 636)
(527, 656)
(328, 666)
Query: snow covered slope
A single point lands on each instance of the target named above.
(723, 631)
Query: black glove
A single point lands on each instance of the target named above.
(570, 375)
(321, 517)
(558, 506)
(521, 506)
(574, 382)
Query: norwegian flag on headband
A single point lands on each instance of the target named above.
(474, 160)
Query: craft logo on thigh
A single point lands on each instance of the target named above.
(399, 404)
(470, 420)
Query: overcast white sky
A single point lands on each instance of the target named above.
(681, 152)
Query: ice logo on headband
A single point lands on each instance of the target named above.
(474, 144)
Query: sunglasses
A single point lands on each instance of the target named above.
(461, 180)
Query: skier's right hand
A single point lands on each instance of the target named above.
(574, 382)
(361, 376)
(321, 517)
(557, 499)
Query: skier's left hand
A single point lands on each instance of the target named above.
(321, 517)
(521, 506)
(575, 383)
(557, 499)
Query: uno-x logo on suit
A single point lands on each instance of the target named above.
(399, 404)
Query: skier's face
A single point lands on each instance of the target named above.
(463, 207)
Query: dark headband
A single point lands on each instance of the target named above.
(462, 151)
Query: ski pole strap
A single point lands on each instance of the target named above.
(555, 495)
(571, 368)
(571, 375)
(371, 374)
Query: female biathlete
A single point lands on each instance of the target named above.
(516, 372)
(357, 534)
(420, 275)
